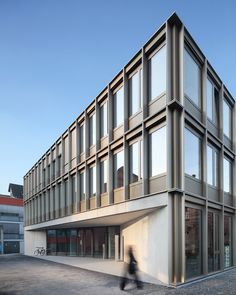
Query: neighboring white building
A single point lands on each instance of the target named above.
(150, 162)
(11, 225)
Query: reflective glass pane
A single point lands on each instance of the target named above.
(82, 186)
(92, 130)
(157, 73)
(118, 107)
(191, 78)
(134, 162)
(158, 152)
(193, 252)
(134, 94)
(104, 170)
(210, 90)
(104, 129)
(227, 241)
(92, 181)
(226, 119)
(227, 176)
(119, 169)
(192, 154)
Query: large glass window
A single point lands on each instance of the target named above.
(227, 176)
(119, 169)
(118, 110)
(192, 154)
(213, 242)
(136, 158)
(227, 241)
(82, 186)
(212, 166)
(193, 251)
(92, 130)
(210, 93)
(104, 126)
(135, 95)
(157, 74)
(227, 119)
(104, 179)
(74, 191)
(157, 157)
(191, 78)
(82, 138)
(92, 181)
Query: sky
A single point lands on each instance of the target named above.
(57, 55)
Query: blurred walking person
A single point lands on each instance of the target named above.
(131, 269)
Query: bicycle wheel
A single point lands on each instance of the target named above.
(43, 252)
(36, 252)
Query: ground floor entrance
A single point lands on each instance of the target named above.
(91, 242)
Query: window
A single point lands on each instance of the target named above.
(227, 176)
(157, 158)
(66, 154)
(73, 144)
(135, 93)
(212, 166)
(118, 110)
(74, 191)
(193, 251)
(82, 138)
(157, 73)
(191, 78)
(227, 241)
(212, 103)
(119, 169)
(192, 154)
(104, 179)
(136, 158)
(226, 119)
(92, 130)
(82, 186)
(104, 126)
(213, 242)
(92, 181)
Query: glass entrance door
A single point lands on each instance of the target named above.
(213, 242)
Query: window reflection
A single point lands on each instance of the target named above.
(92, 130)
(82, 186)
(193, 252)
(118, 107)
(157, 73)
(119, 169)
(212, 166)
(191, 78)
(192, 154)
(136, 161)
(92, 181)
(104, 179)
(104, 128)
(227, 119)
(227, 176)
(157, 158)
(227, 241)
(135, 92)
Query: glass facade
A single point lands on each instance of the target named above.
(192, 78)
(92, 242)
(104, 118)
(157, 157)
(136, 161)
(213, 242)
(103, 175)
(157, 74)
(212, 166)
(227, 241)
(82, 138)
(193, 243)
(227, 176)
(226, 119)
(118, 107)
(119, 169)
(92, 130)
(92, 181)
(192, 154)
(135, 93)
(82, 186)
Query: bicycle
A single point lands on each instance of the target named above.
(40, 251)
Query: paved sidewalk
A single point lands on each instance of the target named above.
(24, 275)
(107, 266)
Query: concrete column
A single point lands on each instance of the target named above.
(98, 184)
(87, 190)
(69, 195)
(145, 84)
(78, 192)
(57, 201)
(110, 177)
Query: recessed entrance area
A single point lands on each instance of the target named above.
(88, 242)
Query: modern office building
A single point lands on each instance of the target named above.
(150, 162)
(11, 225)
